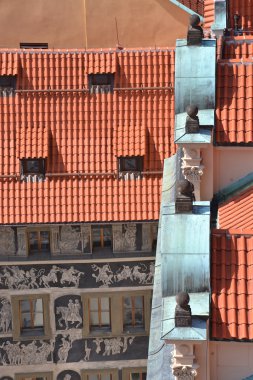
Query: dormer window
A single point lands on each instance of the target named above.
(33, 167)
(7, 85)
(33, 45)
(131, 164)
(101, 83)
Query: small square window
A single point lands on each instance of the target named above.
(133, 310)
(102, 237)
(32, 317)
(35, 166)
(7, 85)
(39, 241)
(131, 164)
(101, 83)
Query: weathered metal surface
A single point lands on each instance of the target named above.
(220, 22)
(195, 81)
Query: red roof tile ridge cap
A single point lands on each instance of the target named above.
(236, 60)
(233, 231)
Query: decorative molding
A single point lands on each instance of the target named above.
(192, 168)
(70, 314)
(184, 373)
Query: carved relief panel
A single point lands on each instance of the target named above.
(7, 241)
(131, 237)
(74, 239)
(68, 312)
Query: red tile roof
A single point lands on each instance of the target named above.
(245, 9)
(9, 63)
(204, 8)
(232, 284)
(102, 62)
(234, 105)
(237, 212)
(195, 5)
(237, 47)
(85, 133)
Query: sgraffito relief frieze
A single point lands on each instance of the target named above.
(68, 312)
(67, 348)
(7, 241)
(76, 276)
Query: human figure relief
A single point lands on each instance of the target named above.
(105, 275)
(71, 275)
(64, 350)
(87, 352)
(5, 316)
(71, 314)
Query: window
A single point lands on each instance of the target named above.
(34, 166)
(39, 241)
(33, 45)
(134, 373)
(100, 374)
(7, 85)
(101, 236)
(34, 376)
(133, 313)
(99, 310)
(102, 316)
(32, 317)
(131, 164)
(101, 83)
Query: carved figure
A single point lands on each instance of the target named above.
(130, 236)
(98, 342)
(123, 274)
(105, 274)
(150, 275)
(87, 352)
(64, 350)
(7, 241)
(5, 316)
(71, 314)
(71, 275)
(70, 239)
(139, 276)
(50, 277)
(27, 354)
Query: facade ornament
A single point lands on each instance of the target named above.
(5, 315)
(184, 373)
(22, 241)
(87, 351)
(70, 240)
(7, 241)
(113, 346)
(192, 120)
(103, 274)
(129, 236)
(69, 314)
(195, 32)
(192, 167)
(183, 317)
(54, 242)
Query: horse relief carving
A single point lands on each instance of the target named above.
(70, 314)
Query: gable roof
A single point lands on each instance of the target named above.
(78, 131)
(232, 284)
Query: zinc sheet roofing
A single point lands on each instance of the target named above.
(232, 284)
(53, 115)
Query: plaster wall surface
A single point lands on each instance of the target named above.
(231, 164)
(60, 23)
(231, 360)
(91, 23)
(140, 23)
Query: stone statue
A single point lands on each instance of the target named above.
(183, 310)
(185, 196)
(192, 120)
(195, 32)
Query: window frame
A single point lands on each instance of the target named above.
(38, 230)
(108, 371)
(133, 327)
(33, 45)
(122, 165)
(17, 323)
(117, 319)
(103, 88)
(102, 237)
(99, 312)
(23, 167)
(126, 372)
(11, 88)
(20, 376)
